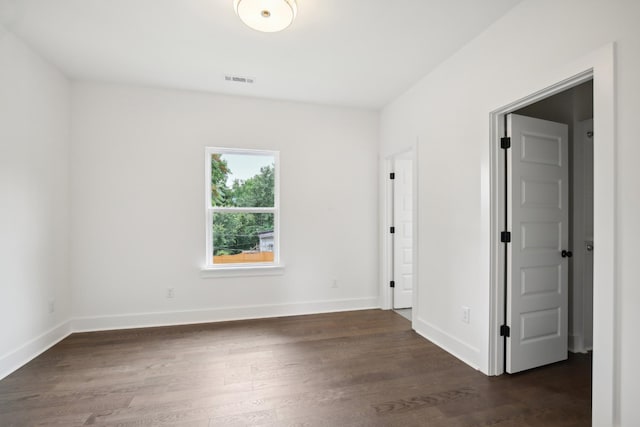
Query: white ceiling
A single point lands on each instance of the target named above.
(359, 53)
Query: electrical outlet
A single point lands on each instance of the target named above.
(466, 314)
(170, 293)
(52, 306)
(334, 284)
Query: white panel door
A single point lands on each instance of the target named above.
(403, 237)
(537, 216)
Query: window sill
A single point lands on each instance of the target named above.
(242, 271)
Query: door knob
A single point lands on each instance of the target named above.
(566, 254)
(589, 246)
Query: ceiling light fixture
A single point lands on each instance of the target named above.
(267, 16)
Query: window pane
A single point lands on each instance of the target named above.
(240, 238)
(242, 180)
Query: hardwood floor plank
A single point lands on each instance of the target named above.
(363, 368)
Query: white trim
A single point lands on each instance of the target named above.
(172, 318)
(576, 344)
(459, 349)
(242, 270)
(385, 219)
(241, 210)
(28, 351)
(243, 151)
(599, 65)
(385, 238)
(416, 229)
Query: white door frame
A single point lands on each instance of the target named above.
(599, 66)
(582, 259)
(386, 292)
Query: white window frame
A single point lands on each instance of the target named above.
(210, 210)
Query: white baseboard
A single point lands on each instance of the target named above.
(28, 351)
(12, 361)
(143, 320)
(461, 350)
(577, 345)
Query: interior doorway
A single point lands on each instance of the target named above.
(401, 242)
(545, 170)
(574, 108)
(599, 66)
(402, 223)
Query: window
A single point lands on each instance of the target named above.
(241, 208)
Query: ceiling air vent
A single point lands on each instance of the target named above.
(239, 79)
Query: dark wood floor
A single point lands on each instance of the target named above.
(364, 368)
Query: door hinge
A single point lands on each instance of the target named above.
(392, 230)
(505, 331)
(392, 175)
(392, 284)
(505, 142)
(505, 237)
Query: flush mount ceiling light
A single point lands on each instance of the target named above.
(267, 16)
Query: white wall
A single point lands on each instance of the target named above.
(448, 110)
(138, 206)
(34, 204)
